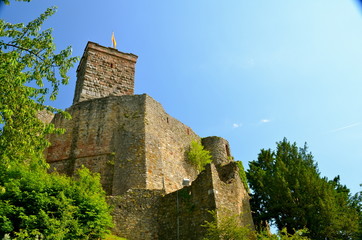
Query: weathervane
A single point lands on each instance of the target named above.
(114, 43)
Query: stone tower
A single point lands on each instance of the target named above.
(104, 71)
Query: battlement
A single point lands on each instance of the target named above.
(104, 71)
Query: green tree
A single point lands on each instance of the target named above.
(29, 72)
(356, 202)
(33, 203)
(287, 190)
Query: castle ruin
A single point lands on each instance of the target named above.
(141, 154)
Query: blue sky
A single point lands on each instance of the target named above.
(252, 72)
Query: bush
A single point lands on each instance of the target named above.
(113, 237)
(197, 156)
(228, 228)
(35, 204)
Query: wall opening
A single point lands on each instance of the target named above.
(227, 150)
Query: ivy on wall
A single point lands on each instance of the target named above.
(242, 175)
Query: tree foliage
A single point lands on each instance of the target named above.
(284, 235)
(356, 202)
(37, 205)
(198, 156)
(7, 2)
(29, 72)
(289, 191)
(33, 203)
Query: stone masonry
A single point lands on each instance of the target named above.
(141, 154)
(104, 72)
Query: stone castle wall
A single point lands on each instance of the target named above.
(135, 213)
(152, 214)
(130, 140)
(230, 195)
(104, 72)
(141, 154)
(107, 136)
(167, 142)
(182, 213)
(217, 188)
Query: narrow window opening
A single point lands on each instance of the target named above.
(227, 150)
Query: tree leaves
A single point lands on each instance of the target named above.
(53, 206)
(27, 61)
(33, 203)
(287, 189)
(7, 2)
(36, 53)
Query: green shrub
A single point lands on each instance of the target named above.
(36, 204)
(228, 228)
(198, 156)
(113, 237)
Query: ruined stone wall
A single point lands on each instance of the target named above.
(231, 198)
(167, 141)
(135, 214)
(107, 136)
(218, 188)
(104, 72)
(182, 213)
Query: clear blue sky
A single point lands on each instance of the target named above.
(252, 72)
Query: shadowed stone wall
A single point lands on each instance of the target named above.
(135, 214)
(182, 213)
(219, 188)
